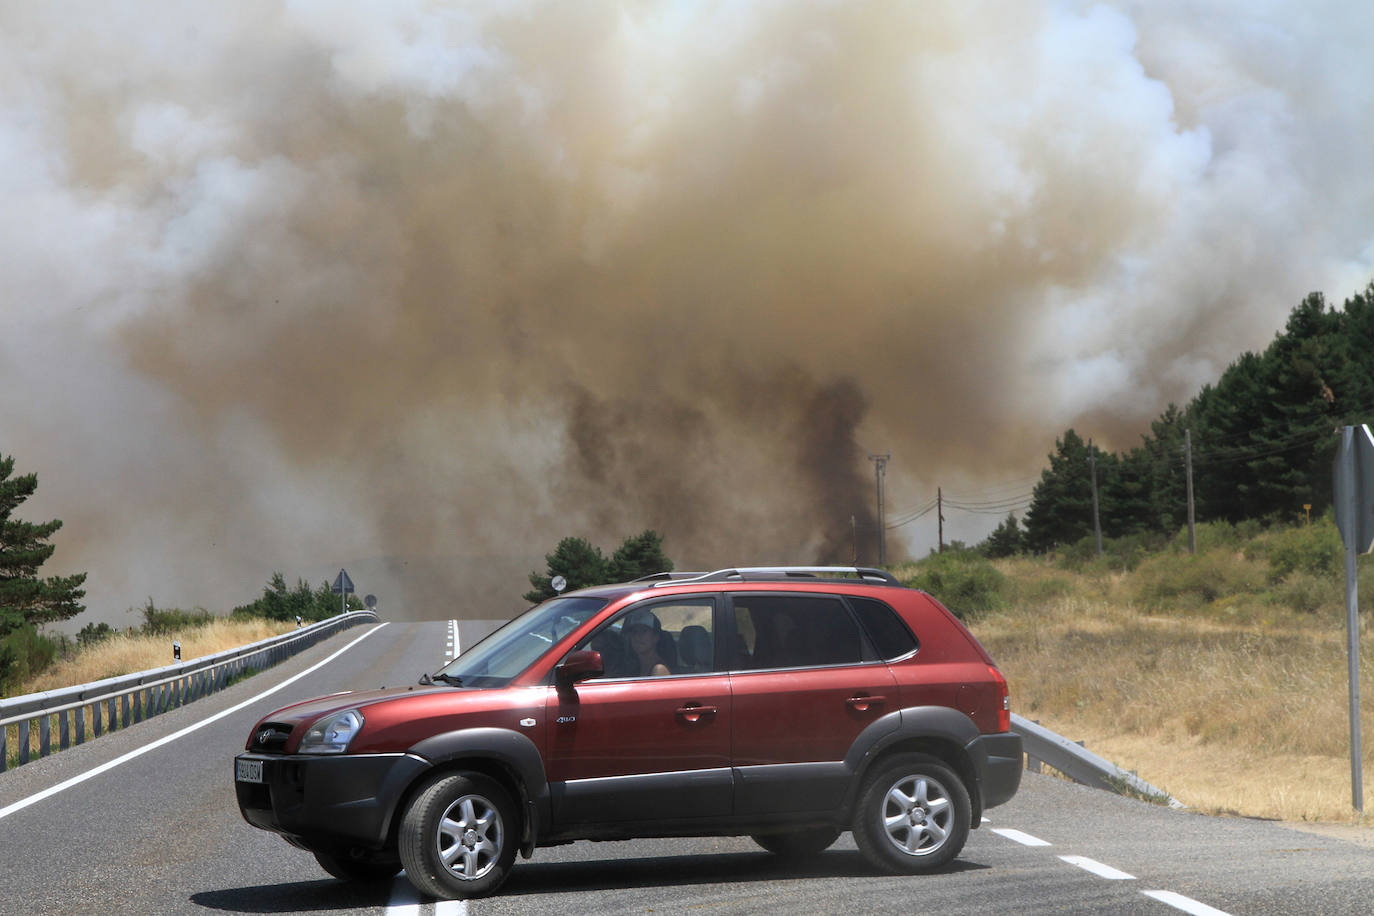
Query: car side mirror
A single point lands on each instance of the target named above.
(578, 666)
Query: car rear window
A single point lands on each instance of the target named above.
(886, 630)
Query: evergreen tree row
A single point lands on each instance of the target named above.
(1263, 440)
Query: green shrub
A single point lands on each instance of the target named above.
(1307, 594)
(1192, 581)
(25, 653)
(1118, 554)
(963, 581)
(1314, 549)
(166, 621)
(1215, 535)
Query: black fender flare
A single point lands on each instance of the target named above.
(939, 723)
(514, 751)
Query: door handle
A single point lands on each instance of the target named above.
(693, 713)
(862, 704)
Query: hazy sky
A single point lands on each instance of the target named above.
(425, 287)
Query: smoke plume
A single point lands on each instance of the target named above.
(425, 287)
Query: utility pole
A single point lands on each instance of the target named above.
(854, 530)
(1092, 471)
(940, 514)
(1188, 462)
(880, 470)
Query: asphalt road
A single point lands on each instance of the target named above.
(160, 833)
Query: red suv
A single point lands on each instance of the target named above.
(786, 704)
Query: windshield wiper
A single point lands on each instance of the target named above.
(450, 679)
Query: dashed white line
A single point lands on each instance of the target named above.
(451, 908)
(1186, 904)
(1097, 868)
(1178, 901)
(1025, 839)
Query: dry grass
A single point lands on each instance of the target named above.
(125, 653)
(1236, 705)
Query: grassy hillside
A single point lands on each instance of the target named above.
(1219, 677)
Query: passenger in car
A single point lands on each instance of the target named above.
(643, 629)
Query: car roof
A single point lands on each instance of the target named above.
(800, 575)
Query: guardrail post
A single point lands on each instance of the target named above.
(80, 724)
(24, 739)
(64, 733)
(4, 750)
(124, 711)
(44, 735)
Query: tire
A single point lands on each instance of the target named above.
(356, 870)
(458, 837)
(913, 815)
(798, 844)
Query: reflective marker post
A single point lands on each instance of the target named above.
(1354, 498)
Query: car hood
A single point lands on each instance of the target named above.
(308, 711)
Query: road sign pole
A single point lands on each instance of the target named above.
(1348, 508)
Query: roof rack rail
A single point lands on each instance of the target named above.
(667, 576)
(764, 573)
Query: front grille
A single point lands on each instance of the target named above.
(270, 738)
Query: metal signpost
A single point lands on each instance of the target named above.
(342, 586)
(1354, 501)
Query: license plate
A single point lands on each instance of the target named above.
(248, 770)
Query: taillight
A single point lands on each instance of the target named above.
(1003, 707)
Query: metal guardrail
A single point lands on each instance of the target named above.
(1082, 765)
(131, 698)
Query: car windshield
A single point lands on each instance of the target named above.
(496, 660)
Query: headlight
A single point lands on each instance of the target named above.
(331, 734)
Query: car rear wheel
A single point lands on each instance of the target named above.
(361, 871)
(458, 837)
(913, 815)
(798, 844)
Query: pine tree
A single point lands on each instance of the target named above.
(1006, 539)
(639, 555)
(575, 559)
(26, 600)
(1061, 503)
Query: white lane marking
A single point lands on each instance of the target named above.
(139, 752)
(1097, 868)
(1186, 904)
(1025, 839)
(405, 900)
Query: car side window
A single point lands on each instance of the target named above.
(794, 631)
(654, 639)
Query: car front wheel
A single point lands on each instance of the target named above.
(913, 815)
(458, 837)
